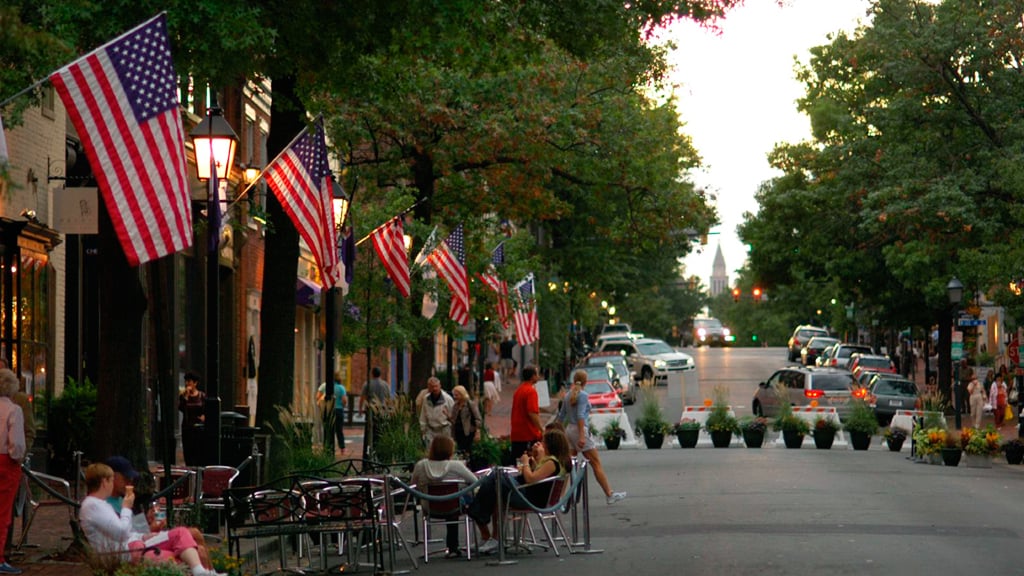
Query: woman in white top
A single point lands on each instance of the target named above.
(976, 393)
(437, 467)
(12, 450)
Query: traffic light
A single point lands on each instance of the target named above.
(753, 337)
(757, 294)
(735, 294)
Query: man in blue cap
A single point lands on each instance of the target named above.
(125, 476)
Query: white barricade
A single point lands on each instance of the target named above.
(905, 419)
(600, 417)
(811, 415)
(700, 414)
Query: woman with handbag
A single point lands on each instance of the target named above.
(998, 397)
(465, 419)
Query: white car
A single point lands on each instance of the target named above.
(650, 358)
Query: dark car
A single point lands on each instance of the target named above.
(801, 335)
(710, 332)
(887, 393)
(828, 387)
(810, 352)
(841, 353)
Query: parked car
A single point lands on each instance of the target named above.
(622, 380)
(710, 332)
(600, 390)
(824, 358)
(814, 347)
(829, 387)
(801, 335)
(650, 358)
(873, 362)
(618, 328)
(887, 393)
(841, 353)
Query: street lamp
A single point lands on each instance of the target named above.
(214, 143)
(955, 292)
(340, 202)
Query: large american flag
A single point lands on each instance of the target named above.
(449, 259)
(389, 243)
(123, 101)
(494, 282)
(525, 312)
(301, 179)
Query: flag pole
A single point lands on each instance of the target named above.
(259, 176)
(388, 221)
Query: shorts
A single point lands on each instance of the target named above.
(572, 431)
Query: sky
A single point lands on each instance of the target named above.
(736, 93)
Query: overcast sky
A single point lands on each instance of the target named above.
(736, 93)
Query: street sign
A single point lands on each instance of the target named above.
(956, 351)
(970, 322)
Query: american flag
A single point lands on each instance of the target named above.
(301, 179)
(389, 242)
(123, 101)
(525, 313)
(449, 259)
(494, 282)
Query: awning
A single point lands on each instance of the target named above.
(307, 293)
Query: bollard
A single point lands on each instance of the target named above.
(584, 546)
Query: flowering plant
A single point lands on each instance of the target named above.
(720, 419)
(930, 440)
(685, 424)
(754, 424)
(895, 433)
(983, 442)
(822, 424)
(613, 430)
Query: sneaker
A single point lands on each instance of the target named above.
(488, 547)
(452, 554)
(6, 568)
(200, 571)
(616, 497)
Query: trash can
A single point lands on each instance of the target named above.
(236, 439)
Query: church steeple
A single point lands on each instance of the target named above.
(719, 277)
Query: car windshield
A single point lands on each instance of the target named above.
(708, 323)
(874, 362)
(846, 351)
(819, 343)
(655, 347)
(810, 333)
(593, 388)
(597, 372)
(625, 346)
(616, 329)
(895, 388)
(832, 381)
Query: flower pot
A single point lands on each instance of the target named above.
(1014, 456)
(687, 438)
(721, 438)
(612, 443)
(753, 438)
(860, 440)
(951, 456)
(792, 438)
(977, 461)
(934, 459)
(654, 441)
(894, 444)
(823, 439)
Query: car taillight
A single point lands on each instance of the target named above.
(861, 393)
(917, 403)
(813, 393)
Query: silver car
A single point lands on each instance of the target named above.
(828, 387)
(888, 393)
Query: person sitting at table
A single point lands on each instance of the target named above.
(110, 532)
(549, 458)
(438, 466)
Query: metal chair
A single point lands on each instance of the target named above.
(181, 489)
(542, 492)
(53, 491)
(350, 505)
(444, 513)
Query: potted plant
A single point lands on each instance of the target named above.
(861, 423)
(651, 423)
(951, 450)
(753, 429)
(1014, 450)
(793, 429)
(824, 432)
(928, 443)
(613, 435)
(894, 438)
(980, 446)
(687, 432)
(721, 424)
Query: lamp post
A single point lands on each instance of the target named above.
(955, 292)
(341, 203)
(214, 143)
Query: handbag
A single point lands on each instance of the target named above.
(1009, 414)
(1012, 396)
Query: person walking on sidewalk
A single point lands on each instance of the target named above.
(998, 398)
(335, 413)
(574, 413)
(525, 416)
(435, 412)
(12, 450)
(977, 399)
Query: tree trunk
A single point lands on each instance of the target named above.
(421, 361)
(120, 425)
(277, 312)
(161, 282)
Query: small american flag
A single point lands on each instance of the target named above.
(494, 282)
(123, 101)
(525, 313)
(449, 259)
(301, 179)
(389, 243)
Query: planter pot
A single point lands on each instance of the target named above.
(792, 438)
(653, 441)
(977, 461)
(687, 438)
(894, 445)
(1014, 456)
(823, 439)
(951, 456)
(612, 443)
(860, 440)
(753, 439)
(934, 459)
(721, 438)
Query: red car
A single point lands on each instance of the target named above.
(599, 388)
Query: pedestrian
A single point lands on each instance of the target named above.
(976, 394)
(377, 389)
(997, 396)
(12, 451)
(507, 347)
(435, 412)
(492, 387)
(465, 420)
(524, 418)
(21, 500)
(192, 405)
(334, 414)
(574, 413)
